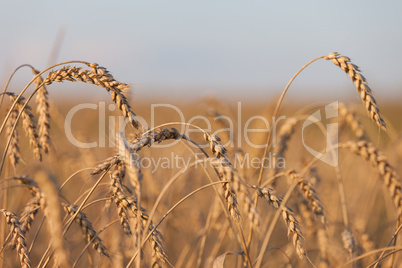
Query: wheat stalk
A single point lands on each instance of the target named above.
(18, 237)
(361, 85)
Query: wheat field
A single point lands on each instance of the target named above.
(127, 183)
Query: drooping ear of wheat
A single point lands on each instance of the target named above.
(236, 186)
(390, 178)
(124, 204)
(29, 125)
(87, 228)
(98, 76)
(309, 194)
(14, 150)
(361, 85)
(287, 215)
(43, 112)
(18, 237)
(352, 121)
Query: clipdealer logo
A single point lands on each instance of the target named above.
(330, 156)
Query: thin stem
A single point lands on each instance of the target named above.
(267, 145)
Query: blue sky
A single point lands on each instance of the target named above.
(195, 48)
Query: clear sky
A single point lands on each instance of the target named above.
(194, 48)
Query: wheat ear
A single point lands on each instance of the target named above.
(361, 85)
(309, 194)
(14, 150)
(150, 137)
(87, 228)
(125, 203)
(18, 237)
(33, 205)
(29, 125)
(285, 133)
(348, 240)
(117, 175)
(130, 160)
(43, 112)
(229, 173)
(106, 165)
(287, 215)
(29, 213)
(352, 121)
(391, 179)
(98, 76)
